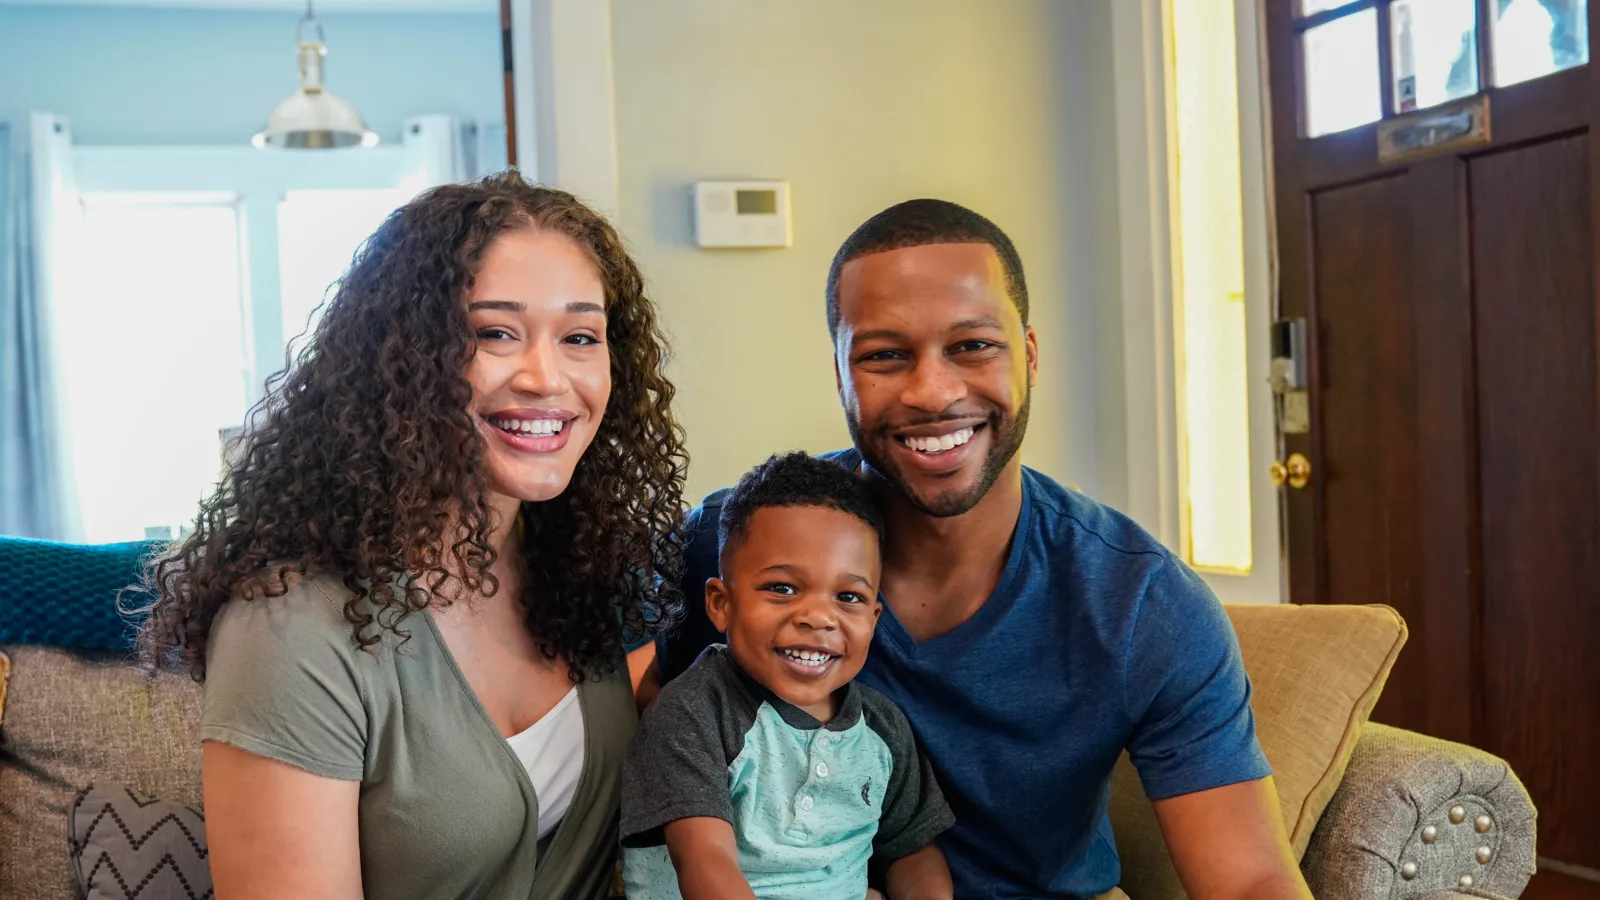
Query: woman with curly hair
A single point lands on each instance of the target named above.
(408, 601)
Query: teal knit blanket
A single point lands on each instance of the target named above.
(65, 595)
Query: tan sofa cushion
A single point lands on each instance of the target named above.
(1316, 672)
(76, 718)
(5, 681)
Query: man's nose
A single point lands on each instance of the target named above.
(539, 372)
(934, 386)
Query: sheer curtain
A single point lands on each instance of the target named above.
(36, 187)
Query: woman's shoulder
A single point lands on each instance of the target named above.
(290, 607)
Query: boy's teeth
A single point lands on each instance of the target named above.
(808, 657)
(941, 443)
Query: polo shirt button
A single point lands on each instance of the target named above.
(822, 770)
(805, 803)
(824, 743)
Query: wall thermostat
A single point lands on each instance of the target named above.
(742, 214)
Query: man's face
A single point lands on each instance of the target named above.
(935, 369)
(798, 598)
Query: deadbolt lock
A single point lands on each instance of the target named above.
(1295, 471)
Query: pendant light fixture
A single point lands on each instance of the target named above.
(313, 119)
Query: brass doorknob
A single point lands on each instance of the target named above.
(1295, 472)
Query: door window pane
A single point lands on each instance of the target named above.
(150, 341)
(1538, 37)
(1312, 7)
(318, 234)
(1341, 66)
(1435, 51)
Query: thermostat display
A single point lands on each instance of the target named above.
(742, 214)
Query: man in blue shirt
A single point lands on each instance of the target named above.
(1030, 634)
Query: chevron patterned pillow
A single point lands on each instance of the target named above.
(125, 845)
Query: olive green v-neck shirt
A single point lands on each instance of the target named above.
(446, 808)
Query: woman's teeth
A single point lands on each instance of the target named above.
(939, 444)
(529, 426)
(813, 658)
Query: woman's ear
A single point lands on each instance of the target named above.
(717, 603)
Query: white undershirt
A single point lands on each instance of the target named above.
(551, 749)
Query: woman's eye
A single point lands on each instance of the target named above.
(494, 334)
(583, 340)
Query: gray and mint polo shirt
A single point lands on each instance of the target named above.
(810, 804)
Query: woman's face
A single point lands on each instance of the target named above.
(541, 370)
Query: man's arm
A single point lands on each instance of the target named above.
(706, 856)
(1228, 843)
(921, 876)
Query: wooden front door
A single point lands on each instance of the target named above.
(1450, 299)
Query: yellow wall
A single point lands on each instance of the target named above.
(1003, 105)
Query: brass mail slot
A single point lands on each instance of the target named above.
(1430, 132)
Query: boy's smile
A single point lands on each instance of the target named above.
(799, 601)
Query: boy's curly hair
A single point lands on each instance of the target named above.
(796, 479)
(364, 460)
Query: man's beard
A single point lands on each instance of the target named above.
(1007, 433)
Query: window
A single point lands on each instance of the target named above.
(1429, 50)
(1213, 401)
(151, 344)
(318, 234)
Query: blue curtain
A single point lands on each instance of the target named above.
(31, 499)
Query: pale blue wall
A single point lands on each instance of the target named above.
(169, 76)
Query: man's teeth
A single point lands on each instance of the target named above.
(939, 444)
(808, 657)
(530, 426)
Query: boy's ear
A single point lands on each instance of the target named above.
(717, 603)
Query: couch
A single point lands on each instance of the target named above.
(1373, 811)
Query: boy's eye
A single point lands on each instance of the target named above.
(851, 597)
(779, 587)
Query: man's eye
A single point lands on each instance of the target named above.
(881, 356)
(973, 346)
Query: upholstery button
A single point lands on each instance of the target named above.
(1485, 854)
(1430, 834)
(1408, 870)
(1458, 814)
(822, 770)
(1465, 881)
(1483, 824)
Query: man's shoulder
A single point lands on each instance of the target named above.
(1087, 535)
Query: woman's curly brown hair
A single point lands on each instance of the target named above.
(364, 460)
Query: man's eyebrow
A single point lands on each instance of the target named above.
(877, 334)
(978, 322)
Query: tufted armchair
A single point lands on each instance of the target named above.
(1374, 811)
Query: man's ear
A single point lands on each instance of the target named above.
(1031, 345)
(717, 603)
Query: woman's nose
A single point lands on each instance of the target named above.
(540, 371)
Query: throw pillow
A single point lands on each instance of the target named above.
(126, 845)
(65, 595)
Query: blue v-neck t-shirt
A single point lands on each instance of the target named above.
(1096, 639)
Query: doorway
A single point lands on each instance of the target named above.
(1435, 201)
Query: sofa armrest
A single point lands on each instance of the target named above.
(1418, 817)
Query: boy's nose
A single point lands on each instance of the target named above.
(816, 614)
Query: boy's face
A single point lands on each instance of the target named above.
(798, 598)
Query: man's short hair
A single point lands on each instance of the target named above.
(796, 479)
(916, 223)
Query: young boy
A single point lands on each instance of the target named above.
(764, 771)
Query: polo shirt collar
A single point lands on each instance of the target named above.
(793, 716)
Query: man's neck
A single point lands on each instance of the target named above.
(937, 572)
